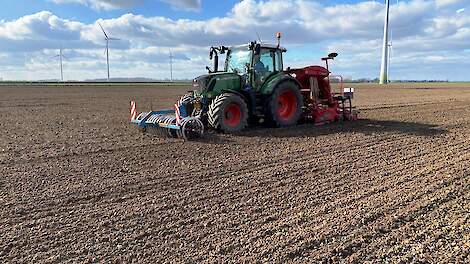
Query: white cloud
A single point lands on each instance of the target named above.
(101, 4)
(40, 25)
(444, 3)
(188, 5)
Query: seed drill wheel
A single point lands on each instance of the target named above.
(228, 113)
(284, 108)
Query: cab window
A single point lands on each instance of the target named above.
(278, 62)
(265, 63)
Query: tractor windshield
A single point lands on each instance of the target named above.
(237, 60)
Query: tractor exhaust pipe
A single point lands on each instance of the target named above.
(215, 55)
(278, 36)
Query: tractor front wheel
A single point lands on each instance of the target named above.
(228, 113)
(285, 105)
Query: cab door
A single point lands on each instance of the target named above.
(265, 64)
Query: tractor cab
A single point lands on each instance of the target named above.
(254, 62)
(250, 66)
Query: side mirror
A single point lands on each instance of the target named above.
(333, 55)
(257, 49)
(222, 49)
(208, 69)
(211, 53)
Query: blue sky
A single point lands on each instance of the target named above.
(430, 37)
(17, 8)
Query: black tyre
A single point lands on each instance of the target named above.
(284, 107)
(186, 98)
(228, 113)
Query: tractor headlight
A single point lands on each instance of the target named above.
(197, 106)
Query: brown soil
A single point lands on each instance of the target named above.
(78, 183)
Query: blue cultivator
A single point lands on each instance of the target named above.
(169, 123)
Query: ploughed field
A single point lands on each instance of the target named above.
(78, 183)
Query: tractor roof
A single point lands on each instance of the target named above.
(263, 45)
(273, 46)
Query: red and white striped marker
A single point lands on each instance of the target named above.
(133, 111)
(177, 114)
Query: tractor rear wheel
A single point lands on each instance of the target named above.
(228, 113)
(284, 107)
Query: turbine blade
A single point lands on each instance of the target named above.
(106, 35)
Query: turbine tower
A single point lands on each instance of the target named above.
(60, 56)
(384, 65)
(171, 65)
(390, 55)
(107, 46)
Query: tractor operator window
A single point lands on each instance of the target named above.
(267, 59)
(278, 61)
(263, 65)
(237, 60)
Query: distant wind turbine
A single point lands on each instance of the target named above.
(107, 46)
(60, 56)
(171, 65)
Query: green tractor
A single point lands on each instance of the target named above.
(252, 88)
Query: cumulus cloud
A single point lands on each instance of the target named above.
(444, 3)
(39, 26)
(424, 31)
(101, 4)
(188, 5)
(41, 31)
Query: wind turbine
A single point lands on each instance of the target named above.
(171, 65)
(107, 46)
(60, 56)
(390, 55)
(385, 57)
